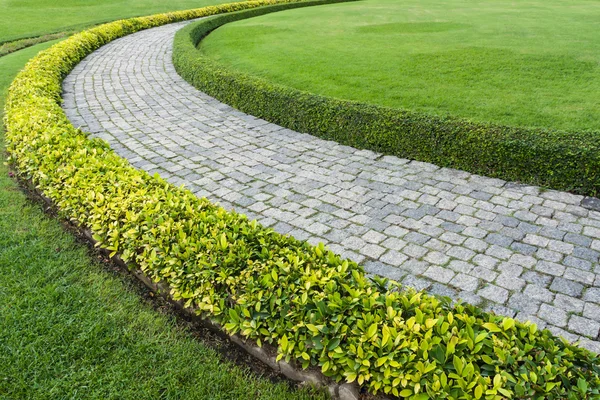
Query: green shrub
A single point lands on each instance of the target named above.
(316, 308)
(560, 160)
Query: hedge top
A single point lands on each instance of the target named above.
(542, 157)
(316, 308)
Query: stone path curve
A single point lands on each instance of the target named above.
(516, 250)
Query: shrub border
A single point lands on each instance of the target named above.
(542, 157)
(317, 309)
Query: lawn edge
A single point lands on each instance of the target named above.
(542, 157)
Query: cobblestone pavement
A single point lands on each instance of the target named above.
(516, 250)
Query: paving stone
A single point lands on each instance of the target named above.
(393, 257)
(510, 282)
(510, 269)
(536, 240)
(465, 282)
(592, 311)
(372, 250)
(568, 303)
(523, 303)
(578, 275)
(415, 267)
(539, 293)
(553, 315)
(435, 257)
(592, 294)
(485, 261)
(523, 260)
(493, 293)
(461, 253)
(584, 326)
(499, 240)
(416, 283)
(524, 248)
(566, 286)
(476, 245)
(442, 290)
(374, 237)
(550, 268)
(579, 240)
(393, 243)
(416, 238)
(452, 238)
(484, 273)
(415, 251)
(379, 268)
(461, 229)
(439, 274)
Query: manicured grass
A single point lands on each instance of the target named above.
(27, 18)
(528, 63)
(70, 329)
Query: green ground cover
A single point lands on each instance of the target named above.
(71, 329)
(27, 18)
(533, 63)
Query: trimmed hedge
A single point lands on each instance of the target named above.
(560, 160)
(313, 306)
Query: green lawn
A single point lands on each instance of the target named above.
(525, 63)
(71, 330)
(26, 18)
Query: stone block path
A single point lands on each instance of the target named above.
(517, 250)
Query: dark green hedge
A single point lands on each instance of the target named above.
(559, 160)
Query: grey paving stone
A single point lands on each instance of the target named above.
(568, 303)
(510, 282)
(578, 275)
(393, 257)
(484, 273)
(592, 294)
(523, 303)
(485, 261)
(417, 283)
(435, 257)
(461, 253)
(439, 274)
(461, 229)
(493, 293)
(550, 268)
(510, 269)
(553, 315)
(567, 287)
(465, 282)
(584, 326)
(539, 293)
(592, 311)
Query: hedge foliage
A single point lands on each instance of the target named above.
(314, 307)
(559, 160)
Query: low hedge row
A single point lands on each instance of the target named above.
(560, 160)
(316, 308)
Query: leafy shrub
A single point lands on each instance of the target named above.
(316, 308)
(556, 159)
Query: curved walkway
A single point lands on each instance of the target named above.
(516, 250)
